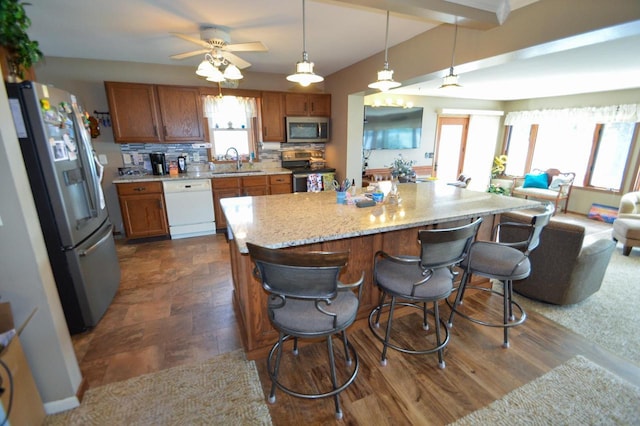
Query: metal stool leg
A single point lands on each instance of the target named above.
(276, 368)
(334, 379)
(436, 314)
(459, 294)
(383, 358)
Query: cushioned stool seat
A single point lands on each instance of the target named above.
(627, 231)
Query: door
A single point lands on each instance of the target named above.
(96, 271)
(451, 144)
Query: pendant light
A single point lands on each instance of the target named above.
(451, 80)
(385, 76)
(304, 70)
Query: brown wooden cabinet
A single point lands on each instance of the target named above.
(143, 209)
(223, 188)
(272, 106)
(303, 104)
(149, 113)
(242, 186)
(280, 184)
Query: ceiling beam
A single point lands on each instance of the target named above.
(442, 11)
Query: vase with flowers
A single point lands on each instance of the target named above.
(402, 169)
(500, 184)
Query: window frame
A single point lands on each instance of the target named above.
(595, 141)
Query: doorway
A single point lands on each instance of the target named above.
(451, 145)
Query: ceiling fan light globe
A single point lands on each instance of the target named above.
(232, 73)
(205, 69)
(216, 76)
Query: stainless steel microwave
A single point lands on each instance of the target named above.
(307, 129)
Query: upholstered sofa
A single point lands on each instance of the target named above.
(563, 269)
(550, 185)
(626, 228)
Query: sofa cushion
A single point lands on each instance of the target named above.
(536, 181)
(557, 181)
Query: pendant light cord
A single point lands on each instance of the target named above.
(304, 31)
(386, 43)
(455, 39)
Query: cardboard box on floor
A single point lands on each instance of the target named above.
(26, 407)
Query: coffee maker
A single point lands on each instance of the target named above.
(158, 163)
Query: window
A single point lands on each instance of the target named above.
(590, 142)
(231, 125)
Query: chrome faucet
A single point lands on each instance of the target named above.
(238, 159)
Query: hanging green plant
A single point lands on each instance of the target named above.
(22, 52)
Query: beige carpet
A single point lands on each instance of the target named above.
(223, 390)
(610, 317)
(578, 392)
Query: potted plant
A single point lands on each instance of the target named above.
(402, 169)
(500, 183)
(22, 52)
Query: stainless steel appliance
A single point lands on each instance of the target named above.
(307, 129)
(189, 207)
(65, 176)
(182, 164)
(158, 163)
(304, 164)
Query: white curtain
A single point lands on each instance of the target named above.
(608, 114)
(230, 111)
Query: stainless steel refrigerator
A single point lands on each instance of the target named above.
(65, 181)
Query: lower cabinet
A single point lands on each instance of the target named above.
(143, 209)
(280, 184)
(251, 186)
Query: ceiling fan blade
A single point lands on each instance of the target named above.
(235, 60)
(189, 54)
(192, 39)
(254, 46)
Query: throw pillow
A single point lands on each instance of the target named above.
(536, 181)
(556, 181)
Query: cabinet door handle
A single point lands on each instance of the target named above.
(164, 128)
(313, 107)
(139, 188)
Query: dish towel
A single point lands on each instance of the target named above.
(314, 182)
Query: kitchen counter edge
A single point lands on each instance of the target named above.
(200, 175)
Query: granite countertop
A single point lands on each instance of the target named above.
(285, 220)
(202, 175)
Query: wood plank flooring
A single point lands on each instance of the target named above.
(174, 307)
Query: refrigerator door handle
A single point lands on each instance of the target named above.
(88, 161)
(98, 243)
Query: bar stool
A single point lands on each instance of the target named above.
(419, 280)
(505, 261)
(306, 300)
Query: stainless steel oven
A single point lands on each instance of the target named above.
(308, 170)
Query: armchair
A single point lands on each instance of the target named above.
(626, 228)
(563, 270)
(555, 188)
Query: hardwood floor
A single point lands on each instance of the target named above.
(174, 307)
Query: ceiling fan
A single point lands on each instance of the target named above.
(216, 42)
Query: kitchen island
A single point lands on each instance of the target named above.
(314, 221)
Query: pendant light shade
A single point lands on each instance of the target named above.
(385, 76)
(304, 70)
(451, 80)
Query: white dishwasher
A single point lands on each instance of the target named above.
(189, 207)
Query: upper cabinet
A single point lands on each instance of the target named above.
(303, 104)
(149, 113)
(272, 117)
(181, 113)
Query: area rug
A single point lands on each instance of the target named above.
(578, 392)
(223, 390)
(610, 317)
